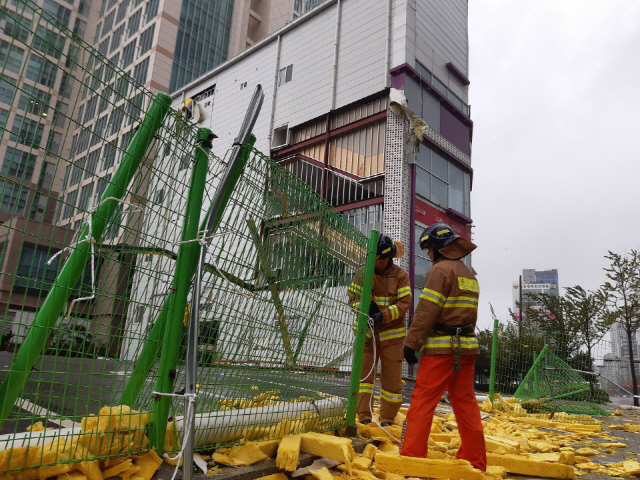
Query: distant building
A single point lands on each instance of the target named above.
(534, 282)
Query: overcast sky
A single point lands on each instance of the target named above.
(555, 101)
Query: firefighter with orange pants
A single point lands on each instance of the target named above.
(391, 294)
(443, 331)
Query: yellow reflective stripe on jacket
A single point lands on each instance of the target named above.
(394, 311)
(403, 292)
(382, 301)
(355, 288)
(465, 302)
(391, 334)
(467, 343)
(366, 388)
(433, 296)
(391, 397)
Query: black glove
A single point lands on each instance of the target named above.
(373, 308)
(377, 318)
(410, 355)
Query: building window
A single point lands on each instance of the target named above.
(442, 182)
(41, 70)
(10, 56)
(122, 11)
(151, 10)
(66, 85)
(285, 75)
(116, 38)
(13, 197)
(76, 173)
(128, 53)
(146, 40)
(54, 142)
(108, 156)
(4, 118)
(26, 131)
(34, 100)
(33, 271)
(92, 163)
(48, 42)
(18, 164)
(133, 24)
(140, 71)
(7, 91)
(59, 12)
(69, 205)
(85, 194)
(11, 28)
(108, 22)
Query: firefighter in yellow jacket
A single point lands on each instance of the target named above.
(391, 294)
(443, 330)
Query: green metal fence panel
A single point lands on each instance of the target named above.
(275, 336)
(552, 372)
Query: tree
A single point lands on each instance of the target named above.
(547, 314)
(622, 291)
(585, 310)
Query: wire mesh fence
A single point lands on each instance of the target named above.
(551, 372)
(96, 178)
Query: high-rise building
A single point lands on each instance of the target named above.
(534, 282)
(620, 353)
(36, 89)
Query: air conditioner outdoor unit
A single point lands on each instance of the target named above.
(280, 136)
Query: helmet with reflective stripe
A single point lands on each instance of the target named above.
(437, 236)
(386, 247)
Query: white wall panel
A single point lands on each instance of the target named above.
(361, 67)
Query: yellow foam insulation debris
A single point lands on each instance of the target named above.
(117, 469)
(72, 476)
(322, 474)
(288, 453)
(391, 433)
(419, 467)
(36, 427)
(370, 451)
(241, 456)
(388, 447)
(586, 452)
(501, 444)
(213, 470)
(524, 466)
(275, 476)
(631, 428)
(614, 445)
(335, 448)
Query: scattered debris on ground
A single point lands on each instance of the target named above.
(517, 442)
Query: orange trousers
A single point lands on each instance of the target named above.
(391, 357)
(436, 376)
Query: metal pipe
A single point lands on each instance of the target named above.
(204, 138)
(336, 50)
(387, 44)
(358, 348)
(275, 93)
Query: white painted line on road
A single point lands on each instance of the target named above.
(43, 412)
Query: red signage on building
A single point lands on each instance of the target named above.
(427, 214)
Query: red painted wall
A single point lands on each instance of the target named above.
(427, 214)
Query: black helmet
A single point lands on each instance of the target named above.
(437, 236)
(386, 247)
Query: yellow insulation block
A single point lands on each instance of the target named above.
(322, 474)
(75, 475)
(423, 467)
(524, 466)
(361, 463)
(441, 437)
(275, 476)
(631, 428)
(269, 447)
(336, 448)
(117, 469)
(501, 444)
(586, 452)
(614, 445)
(288, 453)
(246, 454)
(370, 451)
(392, 433)
(147, 464)
(388, 447)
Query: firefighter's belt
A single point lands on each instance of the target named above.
(466, 331)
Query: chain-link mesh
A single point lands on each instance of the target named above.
(275, 332)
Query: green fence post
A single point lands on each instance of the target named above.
(188, 255)
(494, 357)
(358, 348)
(75, 265)
(533, 367)
(151, 348)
